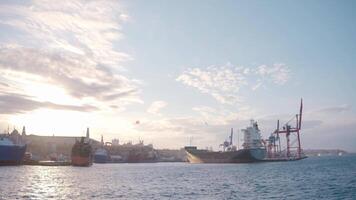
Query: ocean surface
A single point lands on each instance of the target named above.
(311, 178)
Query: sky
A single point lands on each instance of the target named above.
(173, 73)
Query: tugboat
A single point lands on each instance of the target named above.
(82, 152)
(12, 148)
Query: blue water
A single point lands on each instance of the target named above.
(311, 178)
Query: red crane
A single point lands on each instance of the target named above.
(287, 130)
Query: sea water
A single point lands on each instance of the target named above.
(329, 177)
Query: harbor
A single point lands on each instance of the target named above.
(62, 151)
(177, 100)
(30, 149)
(255, 148)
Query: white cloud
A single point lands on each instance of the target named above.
(84, 27)
(277, 73)
(258, 85)
(224, 82)
(68, 45)
(156, 106)
(222, 116)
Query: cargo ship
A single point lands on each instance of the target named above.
(253, 150)
(82, 153)
(256, 149)
(12, 148)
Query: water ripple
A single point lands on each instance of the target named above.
(312, 178)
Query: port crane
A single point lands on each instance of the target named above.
(274, 150)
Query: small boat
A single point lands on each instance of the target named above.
(82, 153)
(12, 149)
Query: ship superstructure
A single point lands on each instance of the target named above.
(252, 136)
(101, 155)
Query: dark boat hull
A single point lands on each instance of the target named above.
(240, 156)
(12, 155)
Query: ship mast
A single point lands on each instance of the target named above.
(238, 140)
(231, 135)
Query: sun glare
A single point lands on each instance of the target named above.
(57, 122)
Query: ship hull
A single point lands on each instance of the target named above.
(82, 154)
(12, 155)
(240, 156)
(81, 161)
(100, 158)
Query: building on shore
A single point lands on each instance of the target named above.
(52, 147)
(49, 147)
(59, 148)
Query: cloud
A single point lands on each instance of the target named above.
(223, 116)
(341, 133)
(333, 109)
(11, 103)
(84, 27)
(224, 82)
(77, 74)
(69, 45)
(255, 87)
(156, 106)
(277, 73)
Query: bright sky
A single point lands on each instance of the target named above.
(183, 69)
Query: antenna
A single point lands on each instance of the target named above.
(232, 133)
(87, 133)
(238, 140)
